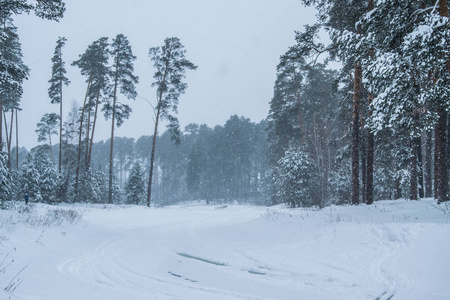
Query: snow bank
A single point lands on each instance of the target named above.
(390, 250)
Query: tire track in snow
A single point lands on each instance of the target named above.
(102, 266)
(394, 239)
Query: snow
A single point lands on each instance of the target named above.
(389, 250)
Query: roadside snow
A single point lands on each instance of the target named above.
(390, 250)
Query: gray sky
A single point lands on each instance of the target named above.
(235, 43)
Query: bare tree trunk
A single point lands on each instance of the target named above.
(152, 157)
(88, 128)
(363, 158)
(355, 133)
(441, 157)
(60, 135)
(51, 148)
(93, 129)
(10, 137)
(8, 142)
(1, 124)
(440, 136)
(397, 189)
(370, 139)
(413, 170)
(111, 149)
(428, 164)
(418, 142)
(17, 141)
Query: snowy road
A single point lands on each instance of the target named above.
(392, 250)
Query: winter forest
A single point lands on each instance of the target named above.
(377, 128)
(340, 192)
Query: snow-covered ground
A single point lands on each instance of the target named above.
(390, 250)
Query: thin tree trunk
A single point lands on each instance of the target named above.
(77, 176)
(17, 141)
(428, 164)
(111, 150)
(441, 157)
(355, 133)
(88, 128)
(397, 189)
(152, 157)
(370, 138)
(60, 127)
(419, 167)
(440, 136)
(363, 158)
(10, 138)
(51, 148)
(60, 112)
(8, 142)
(93, 129)
(370, 158)
(1, 124)
(413, 170)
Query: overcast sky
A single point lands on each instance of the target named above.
(235, 43)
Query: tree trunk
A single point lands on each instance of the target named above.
(8, 142)
(60, 114)
(370, 138)
(17, 141)
(51, 148)
(413, 170)
(441, 135)
(441, 157)
(397, 189)
(10, 137)
(370, 157)
(152, 157)
(428, 164)
(1, 124)
(88, 128)
(355, 133)
(363, 159)
(93, 130)
(418, 142)
(60, 134)
(111, 150)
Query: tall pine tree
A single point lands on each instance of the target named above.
(55, 92)
(171, 65)
(123, 79)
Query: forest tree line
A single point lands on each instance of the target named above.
(377, 128)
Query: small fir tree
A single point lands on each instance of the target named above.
(135, 187)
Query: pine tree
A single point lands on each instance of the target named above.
(135, 187)
(94, 65)
(297, 184)
(123, 78)
(171, 65)
(55, 91)
(409, 75)
(46, 128)
(48, 177)
(92, 187)
(29, 180)
(12, 69)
